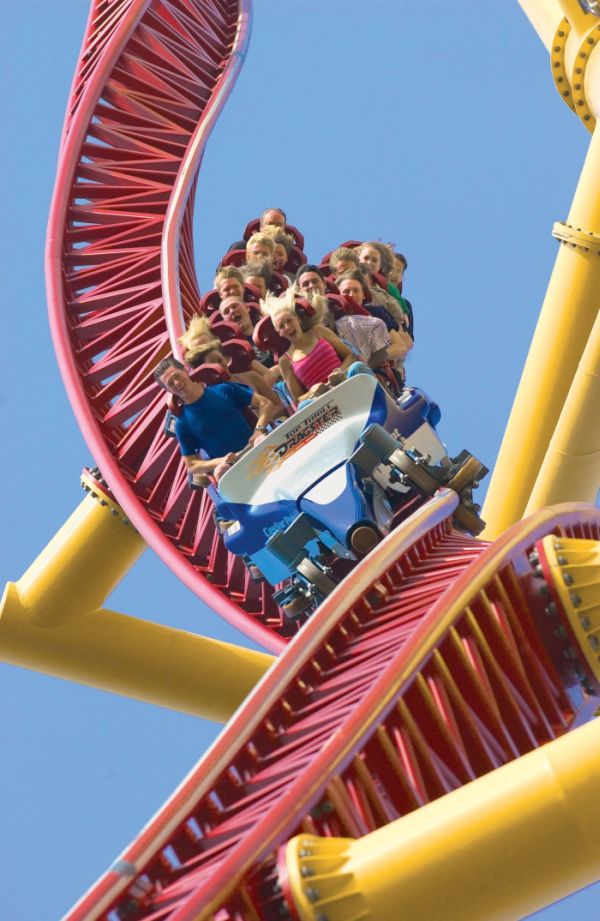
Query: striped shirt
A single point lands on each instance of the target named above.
(316, 367)
(366, 334)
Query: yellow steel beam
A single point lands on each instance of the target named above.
(574, 573)
(135, 658)
(578, 18)
(544, 16)
(571, 467)
(571, 35)
(564, 327)
(53, 621)
(499, 848)
(82, 564)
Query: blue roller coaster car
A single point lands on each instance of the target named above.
(325, 486)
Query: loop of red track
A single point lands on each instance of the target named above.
(419, 673)
(152, 77)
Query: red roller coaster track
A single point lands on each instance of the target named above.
(423, 671)
(151, 80)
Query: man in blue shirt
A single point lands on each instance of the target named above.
(212, 419)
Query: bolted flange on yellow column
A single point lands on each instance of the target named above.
(573, 567)
(498, 848)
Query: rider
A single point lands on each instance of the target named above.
(316, 358)
(212, 420)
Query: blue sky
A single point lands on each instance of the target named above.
(432, 126)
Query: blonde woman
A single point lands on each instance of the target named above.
(316, 358)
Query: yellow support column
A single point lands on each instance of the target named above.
(579, 19)
(572, 568)
(571, 468)
(498, 849)
(82, 564)
(544, 16)
(564, 326)
(53, 621)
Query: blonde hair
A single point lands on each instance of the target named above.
(198, 326)
(278, 235)
(345, 253)
(228, 271)
(317, 301)
(195, 356)
(261, 237)
(273, 306)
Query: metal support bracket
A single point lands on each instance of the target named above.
(584, 240)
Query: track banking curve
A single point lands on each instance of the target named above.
(150, 82)
(422, 672)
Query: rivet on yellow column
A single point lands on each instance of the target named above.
(573, 566)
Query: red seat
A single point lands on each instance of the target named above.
(255, 312)
(304, 307)
(254, 225)
(268, 340)
(210, 302)
(251, 227)
(295, 259)
(251, 294)
(380, 280)
(236, 257)
(349, 244)
(349, 306)
(338, 305)
(279, 283)
(240, 353)
(223, 330)
(211, 374)
(329, 278)
(389, 376)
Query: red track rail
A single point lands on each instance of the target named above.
(152, 77)
(424, 671)
(421, 672)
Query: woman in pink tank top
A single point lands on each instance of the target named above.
(315, 358)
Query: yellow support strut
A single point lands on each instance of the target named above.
(498, 849)
(563, 329)
(571, 467)
(53, 621)
(544, 16)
